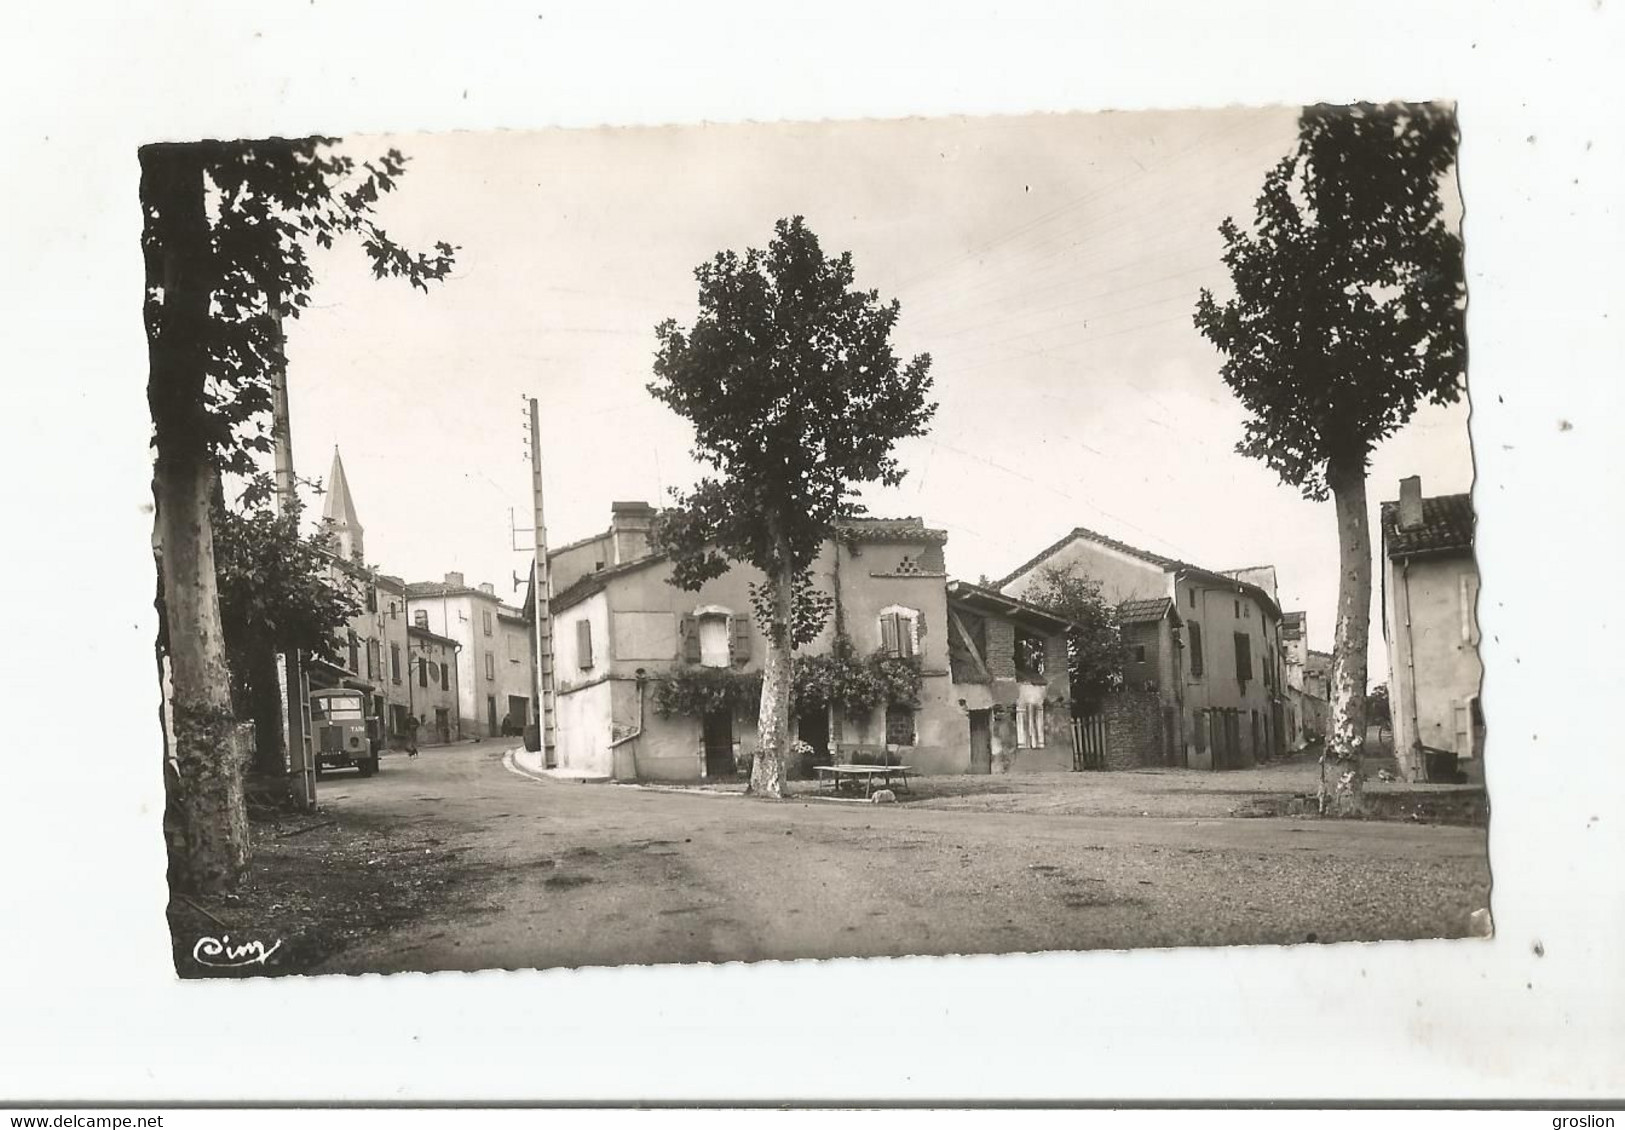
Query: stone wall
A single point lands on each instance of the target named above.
(1134, 738)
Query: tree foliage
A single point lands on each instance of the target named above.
(266, 201)
(276, 588)
(1350, 293)
(796, 397)
(1094, 642)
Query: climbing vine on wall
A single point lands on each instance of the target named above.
(842, 679)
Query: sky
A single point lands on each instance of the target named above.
(1049, 264)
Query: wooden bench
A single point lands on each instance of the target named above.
(866, 774)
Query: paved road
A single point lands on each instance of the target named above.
(567, 874)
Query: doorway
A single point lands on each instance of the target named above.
(442, 723)
(719, 743)
(812, 727)
(981, 741)
(491, 715)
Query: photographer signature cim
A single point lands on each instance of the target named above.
(223, 953)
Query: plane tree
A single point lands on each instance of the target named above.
(1349, 313)
(796, 399)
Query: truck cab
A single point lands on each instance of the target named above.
(345, 737)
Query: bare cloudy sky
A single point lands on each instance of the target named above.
(1049, 264)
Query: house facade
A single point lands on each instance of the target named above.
(432, 680)
(372, 646)
(1206, 643)
(1430, 625)
(622, 631)
(493, 670)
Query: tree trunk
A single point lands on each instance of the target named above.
(773, 720)
(210, 851)
(1341, 779)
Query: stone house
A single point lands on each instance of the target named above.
(495, 668)
(432, 680)
(992, 682)
(1205, 645)
(1430, 626)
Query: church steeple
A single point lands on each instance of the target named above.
(339, 512)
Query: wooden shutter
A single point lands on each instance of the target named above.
(906, 626)
(583, 644)
(888, 634)
(1244, 656)
(689, 631)
(1022, 730)
(1196, 648)
(741, 639)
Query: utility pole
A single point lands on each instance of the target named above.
(290, 668)
(541, 586)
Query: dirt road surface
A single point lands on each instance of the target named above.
(564, 874)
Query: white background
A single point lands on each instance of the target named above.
(89, 1007)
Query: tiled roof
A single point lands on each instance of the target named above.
(1143, 611)
(975, 596)
(1447, 526)
(1167, 564)
(440, 588)
(888, 529)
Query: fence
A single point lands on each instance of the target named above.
(1089, 743)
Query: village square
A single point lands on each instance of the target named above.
(787, 644)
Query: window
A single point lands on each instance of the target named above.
(354, 642)
(445, 676)
(1190, 597)
(1138, 653)
(490, 665)
(584, 644)
(395, 662)
(420, 617)
(1238, 610)
(374, 659)
(1469, 603)
(1247, 611)
(1030, 725)
(393, 613)
(1029, 654)
(1196, 649)
(899, 725)
(900, 632)
(714, 640)
(372, 599)
(486, 617)
(423, 672)
(1244, 657)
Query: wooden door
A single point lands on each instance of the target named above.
(491, 714)
(719, 743)
(981, 741)
(812, 727)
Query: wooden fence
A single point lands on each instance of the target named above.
(1089, 743)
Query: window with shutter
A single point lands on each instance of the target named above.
(1022, 732)
(423, 673)
(888, 634)
(584, 644)
(1244, 656)
(445, 676)
(1196, 649)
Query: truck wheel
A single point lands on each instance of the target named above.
(368, 765)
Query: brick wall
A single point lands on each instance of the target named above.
(1001, 648)
(1133, 730)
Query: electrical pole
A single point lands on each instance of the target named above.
(290, 669)
(541, 587)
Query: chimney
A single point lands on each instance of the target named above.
(488, 588)
(1410, 503)
(630, 524)
(455, 580)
